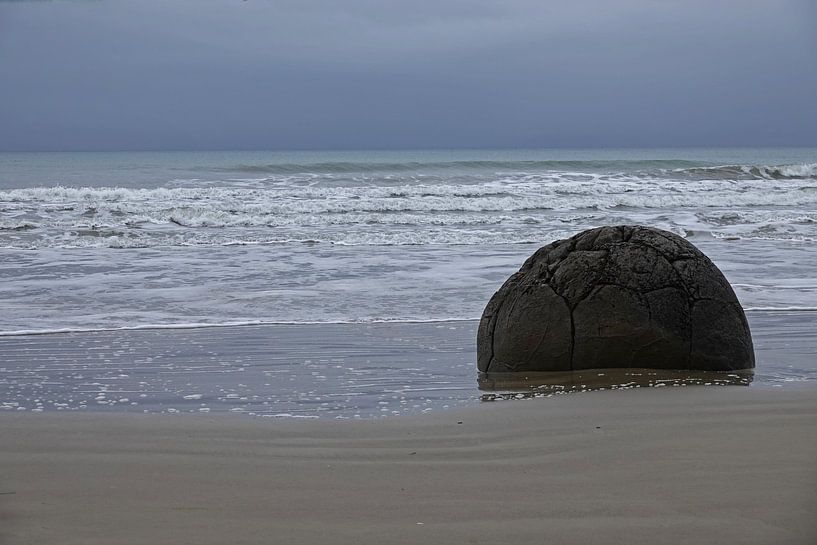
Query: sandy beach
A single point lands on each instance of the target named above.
(662, 465)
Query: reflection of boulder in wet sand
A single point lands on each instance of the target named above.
(537, 383)
(626, 297)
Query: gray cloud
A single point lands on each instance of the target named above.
(365, 73)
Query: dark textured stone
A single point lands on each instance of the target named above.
(615, 297)
(537, 326)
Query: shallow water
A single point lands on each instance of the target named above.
(326, 370)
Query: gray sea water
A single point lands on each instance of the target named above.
(98, 242)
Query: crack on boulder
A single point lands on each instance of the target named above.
(691, 343)
(653, 248)
(559, 289)
(491, 314)
(680, 287)
(572, 325)
(685, 258)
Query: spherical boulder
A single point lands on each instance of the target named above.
(615, 297)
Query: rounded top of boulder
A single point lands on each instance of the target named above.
(615, 297)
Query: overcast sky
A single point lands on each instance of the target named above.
(340, 74)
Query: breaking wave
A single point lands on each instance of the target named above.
(418, 166)
(642, 168)
(753, 172)
(728, 202)
(527, 192)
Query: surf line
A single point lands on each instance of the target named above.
(205, 325)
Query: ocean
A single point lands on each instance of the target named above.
(111, 248)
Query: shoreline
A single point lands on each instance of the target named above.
(266, 323)
(680, 465)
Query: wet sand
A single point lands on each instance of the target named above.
(327, 370)
(664, 465)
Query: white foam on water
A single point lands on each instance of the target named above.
(508, 209)
(781, 309)
(203, 325)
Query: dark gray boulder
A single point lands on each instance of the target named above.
(615, 297)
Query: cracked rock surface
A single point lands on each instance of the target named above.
(615, 297)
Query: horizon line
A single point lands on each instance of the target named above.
(407, 149)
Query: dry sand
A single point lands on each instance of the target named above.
(725, 465)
